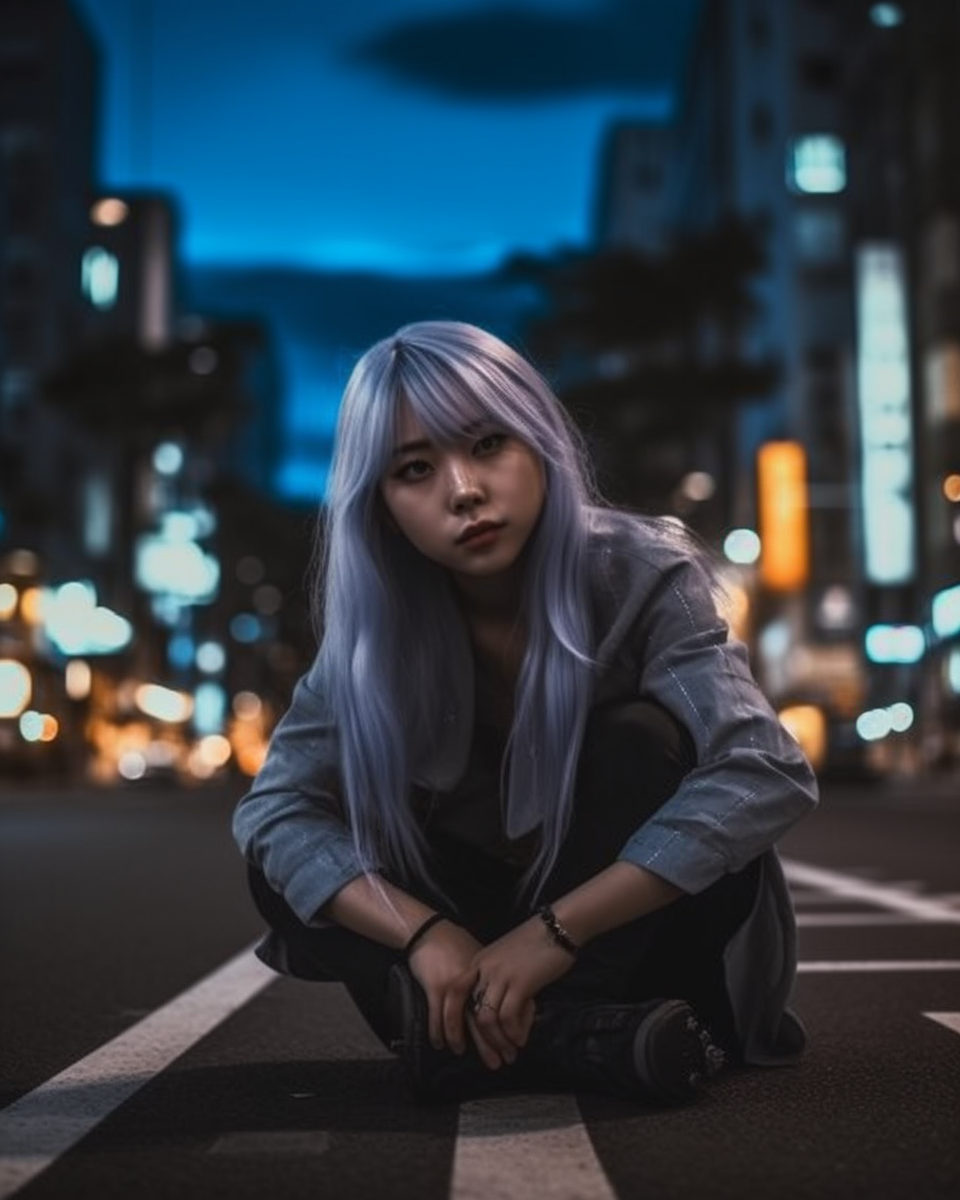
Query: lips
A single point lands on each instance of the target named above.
(480, 527)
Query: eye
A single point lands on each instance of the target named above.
(489, 443)
(415, 469)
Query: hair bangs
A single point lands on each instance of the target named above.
(452, 401)
(440, 399)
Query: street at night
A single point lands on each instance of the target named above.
(512, 447)
(143, 1055)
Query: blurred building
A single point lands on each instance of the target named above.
(48, 136)
(127, 270)
(758, 139)
(832, 126)
(631, 206)
(130, 641)
(759, 135)
(902, 125)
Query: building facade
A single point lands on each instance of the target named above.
(900, 108)
(48, 137)
(831, 125)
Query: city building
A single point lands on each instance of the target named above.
(48, 137)
(831, 126)
(126, 644)
(633, 188)
(760, 137)
(901, 122)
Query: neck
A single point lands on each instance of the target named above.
(493, 600)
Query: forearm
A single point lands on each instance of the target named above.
(378, 910)
(618, 894)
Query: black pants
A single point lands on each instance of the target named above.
(633, 758)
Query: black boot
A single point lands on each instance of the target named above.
(432, 1075)
(655, 1050)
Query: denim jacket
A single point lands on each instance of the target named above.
(657, 634)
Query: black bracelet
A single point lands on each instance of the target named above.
(557, 931)
(433, 919)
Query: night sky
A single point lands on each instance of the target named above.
(409, 137)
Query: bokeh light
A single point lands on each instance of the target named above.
(742, 546)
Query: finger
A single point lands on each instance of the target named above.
(514, 1021)
(527, 1017)
(452, 1022)
(488, 1055)
(455, 1001)
(435, 1020)
(489, 1022)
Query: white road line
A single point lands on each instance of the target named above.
(866, 964)
(950, 1020)
(513, 1146)
(804, 898)
(896, 899)
(45, 1123)
(841, 920)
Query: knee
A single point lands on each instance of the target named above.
(637, 739)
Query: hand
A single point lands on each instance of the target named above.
(508, 975)
(442, 963)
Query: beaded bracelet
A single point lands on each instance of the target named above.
(433, 919)
(557, 931)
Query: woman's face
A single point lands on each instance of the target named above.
(470, 507)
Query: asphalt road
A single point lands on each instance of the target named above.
(127, 990)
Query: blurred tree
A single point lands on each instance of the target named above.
(648, 352)
(191, 386)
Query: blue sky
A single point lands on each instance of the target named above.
(421, 139)
(418, 136)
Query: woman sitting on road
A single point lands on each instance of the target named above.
(524, 802)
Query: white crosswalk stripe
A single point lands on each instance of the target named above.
(530, 1145)
(45, 1123)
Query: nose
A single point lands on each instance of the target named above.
(465, 489)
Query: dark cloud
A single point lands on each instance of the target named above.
(512, 53)
(349, 310)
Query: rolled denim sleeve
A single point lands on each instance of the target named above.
(290, 824)
(751, 781)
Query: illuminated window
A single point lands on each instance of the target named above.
(894, 643)
(100, 277)
(886, 417)
(952, 672)
(109, 211)
(783, 513)
(817, 164)
(946, 612)
(887, 16)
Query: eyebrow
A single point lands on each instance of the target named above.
(408, 447)
(423, 444)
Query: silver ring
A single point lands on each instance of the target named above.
(477, 1000)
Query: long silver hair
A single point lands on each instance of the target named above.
(388, 619)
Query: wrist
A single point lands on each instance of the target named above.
(558, 933)
(620, 893)
(421, 931)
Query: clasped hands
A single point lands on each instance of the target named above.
(489, 991)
